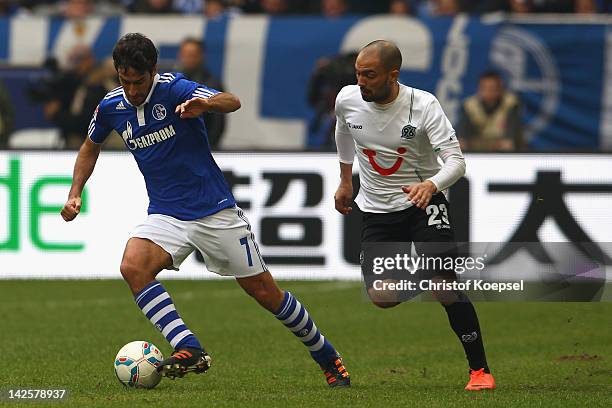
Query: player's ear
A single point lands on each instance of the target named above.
(394, 75)
(154, 71)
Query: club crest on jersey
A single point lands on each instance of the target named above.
(159, 112)
(408, 132)
(127, 133)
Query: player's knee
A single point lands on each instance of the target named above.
(382, 299)
(129, 271)
(384, 304)
(136, 277)
(447, 298)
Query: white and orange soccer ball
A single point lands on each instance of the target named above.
(136, 364)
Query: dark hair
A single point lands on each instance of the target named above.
(491, 74)
(135, 50)
(192, 40)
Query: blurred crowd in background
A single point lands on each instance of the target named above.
(69, 94)
(327, 8)
(490, 120)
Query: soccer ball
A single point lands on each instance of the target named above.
(136, 364)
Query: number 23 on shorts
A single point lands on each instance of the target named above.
(433, 211)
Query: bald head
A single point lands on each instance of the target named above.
(377, 68)
(387, 52)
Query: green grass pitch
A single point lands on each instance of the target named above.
(65, 334)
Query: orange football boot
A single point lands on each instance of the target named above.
(479, 380)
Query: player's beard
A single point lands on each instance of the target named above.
(138, 101)
(378, 97)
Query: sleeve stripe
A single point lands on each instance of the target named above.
(98, 143)
(204, 94)
(92, 122)
(113, 93)
(204, 90)
(97, 132)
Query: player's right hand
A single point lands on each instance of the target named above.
(71, 209)
(192, 108)
(343, 198)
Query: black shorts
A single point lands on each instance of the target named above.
(430, 230)
(410, 225)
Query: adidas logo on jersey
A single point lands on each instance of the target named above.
(120, 106)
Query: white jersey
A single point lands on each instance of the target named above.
(397, 144)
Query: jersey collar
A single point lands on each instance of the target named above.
(387, 106)
(155, 79)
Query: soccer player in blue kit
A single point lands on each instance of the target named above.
(190, 205)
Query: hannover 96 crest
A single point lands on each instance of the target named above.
(408, 132)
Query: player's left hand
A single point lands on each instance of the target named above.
(71, 209)
(192, 108)
(420, 193)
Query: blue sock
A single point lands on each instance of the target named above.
(157, 306)
(296, 318)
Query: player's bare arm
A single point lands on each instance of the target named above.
(344, 193)
(223, 102)
(83, 167)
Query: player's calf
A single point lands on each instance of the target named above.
(296, 318)
(157, 306)
(464, 322)
(263, 289)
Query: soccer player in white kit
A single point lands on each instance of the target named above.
(398, 133)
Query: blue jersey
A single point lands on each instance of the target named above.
(173, 154)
